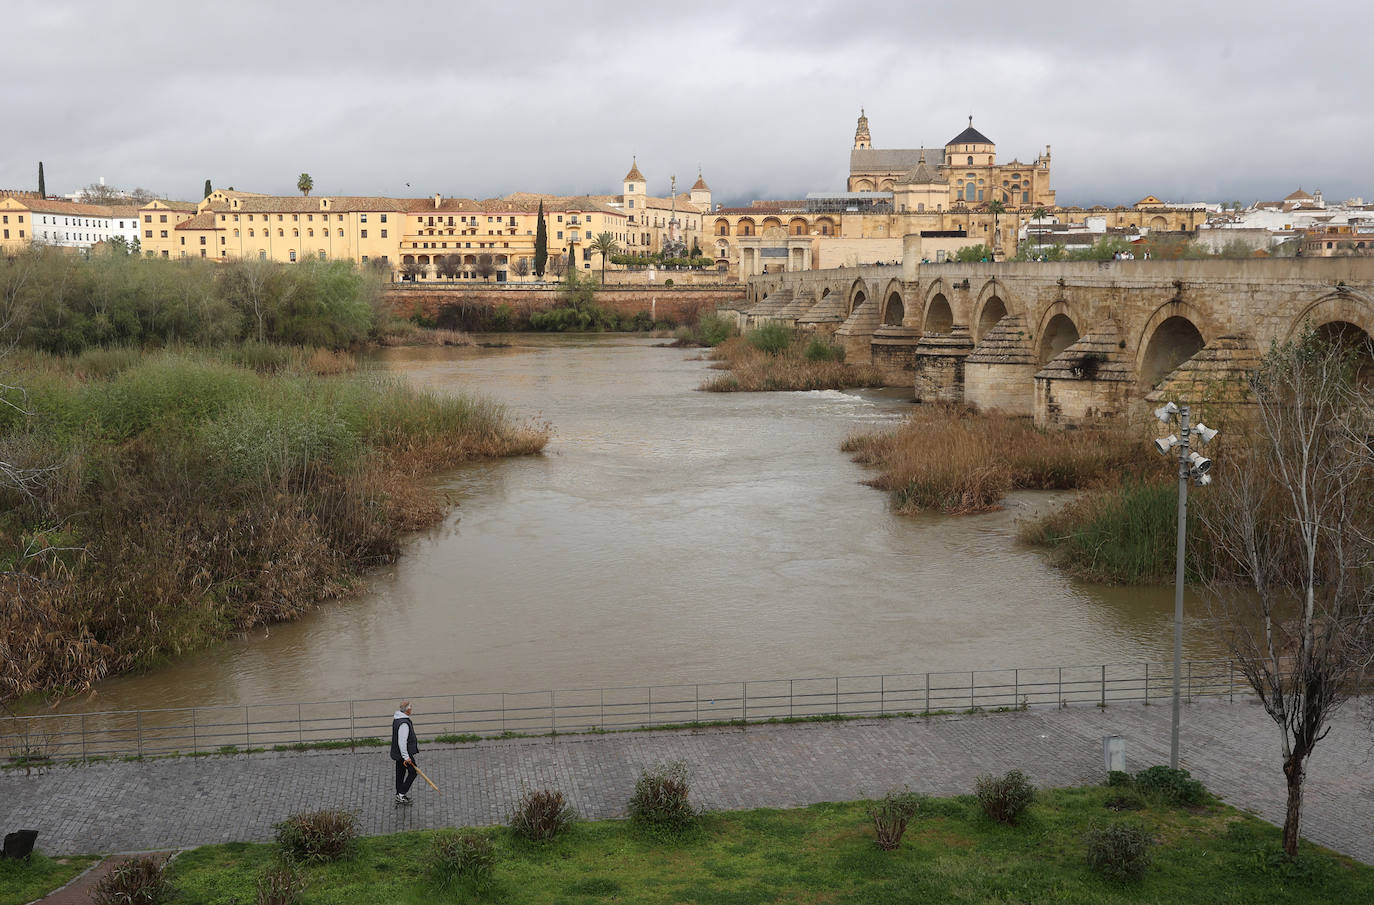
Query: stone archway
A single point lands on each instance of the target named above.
(1175, 340)
(894, 312)
(1360, 344)
(994, 309)
(1058, 334)
(939, 316)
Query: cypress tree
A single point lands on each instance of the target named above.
(208, 190)
(541, 244)
(42, 187)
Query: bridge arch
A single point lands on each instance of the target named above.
(990, 308)
(1174, 333)
(1058, 330)
(939, 316)
(894, 308)
(1345, 317)
(857, 296)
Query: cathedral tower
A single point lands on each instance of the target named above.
(862, 140)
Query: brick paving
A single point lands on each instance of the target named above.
(181, 802)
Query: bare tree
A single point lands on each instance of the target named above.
(412, 269)
(521, 267)
(486, 266)
(449, 266)
(1290, 522)
(557, 265)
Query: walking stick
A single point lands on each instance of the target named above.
(423, 776)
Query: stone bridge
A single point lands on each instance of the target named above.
(1073, 342)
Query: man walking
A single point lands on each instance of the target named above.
(404, 747)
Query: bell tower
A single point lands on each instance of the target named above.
(862, 140)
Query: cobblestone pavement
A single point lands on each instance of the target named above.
(179, 802)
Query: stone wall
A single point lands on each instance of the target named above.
(680, 305)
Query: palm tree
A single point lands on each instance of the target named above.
(305, 183)
(605, 245)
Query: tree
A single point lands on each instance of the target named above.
(448, 266)
(305, 183)
(696, 249)
(541, 244)
(557, 265)
(996, 207)
(412, 269)
(42, 186)
(486, 266)
(208, 189)
(605, 245)
(972, 253)
(1292, 524)
(521, 267)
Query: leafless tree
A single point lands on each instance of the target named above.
(1290, 520)
(558, 265)
(412, 269)
(486, 266)
(449, 266)
(521, 267)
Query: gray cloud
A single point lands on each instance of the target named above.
(1222, 100)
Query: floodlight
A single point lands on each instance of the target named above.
(1164, 444)
(1166, 411)
(1203, 480)
(1198, 464)
(1205, 433)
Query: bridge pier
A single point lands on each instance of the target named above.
(1000, 372)
(939, 365)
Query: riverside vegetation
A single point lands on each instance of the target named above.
(160, 499)
(775, 357)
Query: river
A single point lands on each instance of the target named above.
(669, 535)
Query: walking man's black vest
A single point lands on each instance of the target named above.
(412, 744)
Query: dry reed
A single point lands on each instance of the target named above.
(956, 461)
(754, 370)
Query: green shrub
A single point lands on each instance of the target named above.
(318, 837)
(770, 338)
(820, 350)
(1007, 798)
(137, 881)
(712, 330)
(280, 884)
(462, 856)
(891, 815)
(541, 815)
(1175, 787)
(1118, 779)
(660, 801)
(1119, 851)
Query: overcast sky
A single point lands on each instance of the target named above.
(1204, 100)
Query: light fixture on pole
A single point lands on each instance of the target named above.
(1196, 467)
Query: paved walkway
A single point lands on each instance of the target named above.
(174, 803)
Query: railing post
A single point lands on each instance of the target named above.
(791, 710)
(139, 737)
(300, 727)
(882, 694)
(745, 697)
(1231, 680)
(927, 694)
(247, 731)
(1061, 686)
(195, 744)
(352, 727)
(837, 696)
(1190, 681)
(971, 680)
(696, 693)
(83, 738)
(1104, 685)
(1147, 681)
(503, 713)
(553, 712)
(1016, 688)
(601, 718)
(650, 719)
(452, 715)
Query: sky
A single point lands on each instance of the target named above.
(1214, 100)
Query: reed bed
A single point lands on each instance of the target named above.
(956, 461)
(779, 359)
(185, 497)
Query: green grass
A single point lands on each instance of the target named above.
(24, 881)
(826, 853)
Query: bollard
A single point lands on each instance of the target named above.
(1114, 753)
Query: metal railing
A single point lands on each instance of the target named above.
(59, 737)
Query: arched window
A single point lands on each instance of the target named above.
(970, 160)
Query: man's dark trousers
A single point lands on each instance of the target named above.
(405, 775)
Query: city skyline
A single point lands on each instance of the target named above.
(763, 99)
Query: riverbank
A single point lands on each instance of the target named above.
(162, 501)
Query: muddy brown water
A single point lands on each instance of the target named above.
(670, 536)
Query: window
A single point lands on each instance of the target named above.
(340, 215)
(589, 234)
(383, 231)
(560, 218)
(295, 233)
(383, 218)
(296, 217)
(221, 240)
(321, 254)
(560, 234)
(202, 252)
(147, 218)
(632, 202)
(164, 234)
(162, 218)
(281, 233)
(147, 234)
(970, 161)
(250, 234)
(293, 256)
(340, 234)
(278, 217)
(362, 218)
(262, 255)
(364, 234)
(236, 234)
(164, 253)
(310, 233)
(202, 240)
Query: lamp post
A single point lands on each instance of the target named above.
(1191, 466)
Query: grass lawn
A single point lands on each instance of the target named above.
(24, 881)
(826, 853)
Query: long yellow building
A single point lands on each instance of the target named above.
(433, 238)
